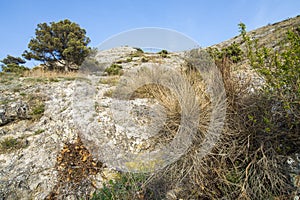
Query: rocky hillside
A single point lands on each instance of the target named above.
(269, 36)
(42, 155)
(39, 136)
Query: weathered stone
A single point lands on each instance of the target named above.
(13, 111)
(2, 116)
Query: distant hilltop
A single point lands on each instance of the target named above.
(268, 36)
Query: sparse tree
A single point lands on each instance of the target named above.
(60, 45)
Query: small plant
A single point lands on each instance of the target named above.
(124, 61)
(128, 186)
(232, 52)
(114, 69)
(70, 78)
(10, 144)
(139, 52)
(163, 53)
(39, 131)
(16, 89)
(37, 110)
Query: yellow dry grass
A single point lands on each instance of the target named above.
(49, 74)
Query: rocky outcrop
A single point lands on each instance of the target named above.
(29, 172)
(13, 111)
(39, 113)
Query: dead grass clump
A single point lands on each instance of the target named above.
(110, 80)
(75, 165)
(247, 161)
(41, 73)
(180, 94)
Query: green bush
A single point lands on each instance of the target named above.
(9, 144)
(128, 186)
(163, 53)
(139, 49)
(281, 71)
(38, 109)
(114, 69)
(232, 52)
(139, 52)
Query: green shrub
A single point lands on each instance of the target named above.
(114, 69)
(163, 53)
(128, 60)
(139, 49)
(108, 93)
(233, 52)
(39, 109)
(281, 71)
(124, 61)
(9, 144)
(37, 106)
(139, 52)
(128, 186)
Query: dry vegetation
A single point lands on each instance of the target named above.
(41, 73)
(261, 130)
(248, 161)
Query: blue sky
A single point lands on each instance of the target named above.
(206, 21)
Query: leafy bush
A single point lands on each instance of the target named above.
(139, 49)
(38, 109)
(280, 69)
(36, 104)
(232, 52)
(163, 53)
(114, 69)
(128, 60)
(269, 119)
(9, 144)
(128, 186)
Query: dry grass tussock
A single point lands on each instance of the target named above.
(247, 162)
(184, 99)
